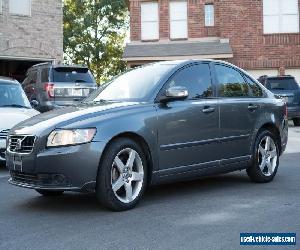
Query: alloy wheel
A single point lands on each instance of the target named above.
(267, 156)
(127, 175)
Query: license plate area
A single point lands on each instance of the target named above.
(77, 92)
(15, 162)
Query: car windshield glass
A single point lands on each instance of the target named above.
(282, 84)
(134, 85)
(12, 95)
(71, 75)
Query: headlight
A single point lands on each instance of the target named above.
(68, 137)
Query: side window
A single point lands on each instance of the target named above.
(196, 79)
(256, 91)
(33, 77)
(45, 75)
(26, 81)
(230, 82)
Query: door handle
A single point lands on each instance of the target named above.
(252, 107)
(208, 110)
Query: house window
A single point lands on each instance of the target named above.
(20, 7)
(178, 19)
(209, 15)
(149, 19)
(281, 16)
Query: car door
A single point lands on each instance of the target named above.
(188, 129)
(238, 112)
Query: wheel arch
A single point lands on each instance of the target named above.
(274, 130)
(140, 140)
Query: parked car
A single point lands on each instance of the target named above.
(14, 108)
(288, 88)
(162, 122)
(54, 86)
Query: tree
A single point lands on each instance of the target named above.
(94, 35)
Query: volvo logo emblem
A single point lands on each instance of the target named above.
(18, 145)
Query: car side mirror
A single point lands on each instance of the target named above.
(175, 93)
(34, 104)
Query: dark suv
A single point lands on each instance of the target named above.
(55, 86)
(287, 88)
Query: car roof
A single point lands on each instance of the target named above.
(51, 65)
(4, 79)
(281, 77)
(188, 61)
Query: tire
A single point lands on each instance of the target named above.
(45, 192)
(265, 163)
(122, 175)
(296, 121)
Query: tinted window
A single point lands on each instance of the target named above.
(231, 83)
(282, 84)
(45, 75)
(196, 79)
(72, 75)
(255, 90)
(33, 77)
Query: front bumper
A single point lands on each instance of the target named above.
(71, 168)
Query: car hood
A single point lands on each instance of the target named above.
(12, 116)
(65, 116)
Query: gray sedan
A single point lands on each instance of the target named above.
(162, 122)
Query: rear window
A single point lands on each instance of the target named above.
(282, 84)
(79, 75)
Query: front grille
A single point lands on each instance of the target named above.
(3, 134)
(24, 177)
(21, 143)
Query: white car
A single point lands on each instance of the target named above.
(14, 108)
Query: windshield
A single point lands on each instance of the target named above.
(71, 75)
(282, 84)
(12, 95)
(134, 85)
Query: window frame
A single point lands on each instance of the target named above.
(209, 21)
(216, 82)
(280, 15)
(151, 21)
(19, 14)
(246, 77)
(161, 92)
(176, 20)
(1, 6)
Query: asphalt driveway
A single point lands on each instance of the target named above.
(203, 214)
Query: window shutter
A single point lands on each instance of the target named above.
(281, 16)
(178, 20)
(149, 21)
(20, 7)
(209, 15)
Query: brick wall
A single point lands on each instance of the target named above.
(37, 36)
(241, 21)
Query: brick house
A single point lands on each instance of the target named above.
(31, 31)
(257, 35)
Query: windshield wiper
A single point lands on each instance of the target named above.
(15, 106)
